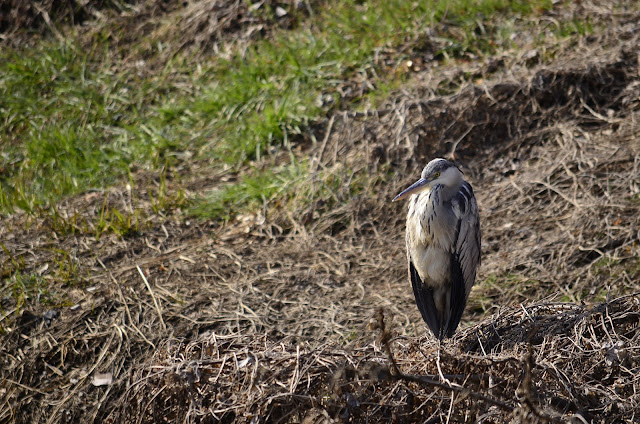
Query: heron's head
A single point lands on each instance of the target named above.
(438, 171)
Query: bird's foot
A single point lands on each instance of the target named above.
(442, 377)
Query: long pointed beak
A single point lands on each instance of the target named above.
(411, 189)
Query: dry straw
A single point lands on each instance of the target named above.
(266, 319)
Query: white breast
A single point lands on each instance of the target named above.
(429, 241)
(432, 264)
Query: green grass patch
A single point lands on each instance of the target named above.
(274, 87)
(162, 199)
(272, 90)
(122, 224)
(26, 292)
(62, 225)
(66, 268)
(573, 27)
(12, 265)
(62, 123)
(72, 120)
(590, 295)
(24, 288)
(496, 288)
(252, 191)
(288, 187)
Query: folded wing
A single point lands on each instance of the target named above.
(465, 257)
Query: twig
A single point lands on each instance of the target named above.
(327, 134)
(454, 145)
(47, 20)
(31, 389)
(399, 375)
(527, 384)
(126, 306)
(460, 389)
(80, 385)
(153, 296)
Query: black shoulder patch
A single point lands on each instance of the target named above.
(467, 187)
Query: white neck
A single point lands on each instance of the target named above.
(451, 178)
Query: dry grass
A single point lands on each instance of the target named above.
(196, 28)
(543, 363)
(274, 317)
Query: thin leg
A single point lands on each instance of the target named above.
(442, 378)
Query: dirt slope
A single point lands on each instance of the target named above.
(275, 317)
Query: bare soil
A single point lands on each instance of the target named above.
(307, 315)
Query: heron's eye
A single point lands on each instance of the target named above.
(436, 175)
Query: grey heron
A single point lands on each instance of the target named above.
(443, 244)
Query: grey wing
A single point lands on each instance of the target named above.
(467, 245)
(465, 256)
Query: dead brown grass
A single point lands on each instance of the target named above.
(268, 318)
(543, 363)
(136, 29)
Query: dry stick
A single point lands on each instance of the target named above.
(153, 296)
(296, 372)
(399, 375)
(454, 144)
(80, 384)
(47, 20)
(126, 306)
(460, 389)
(324, 144)
(527, 384)
(31, 389)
